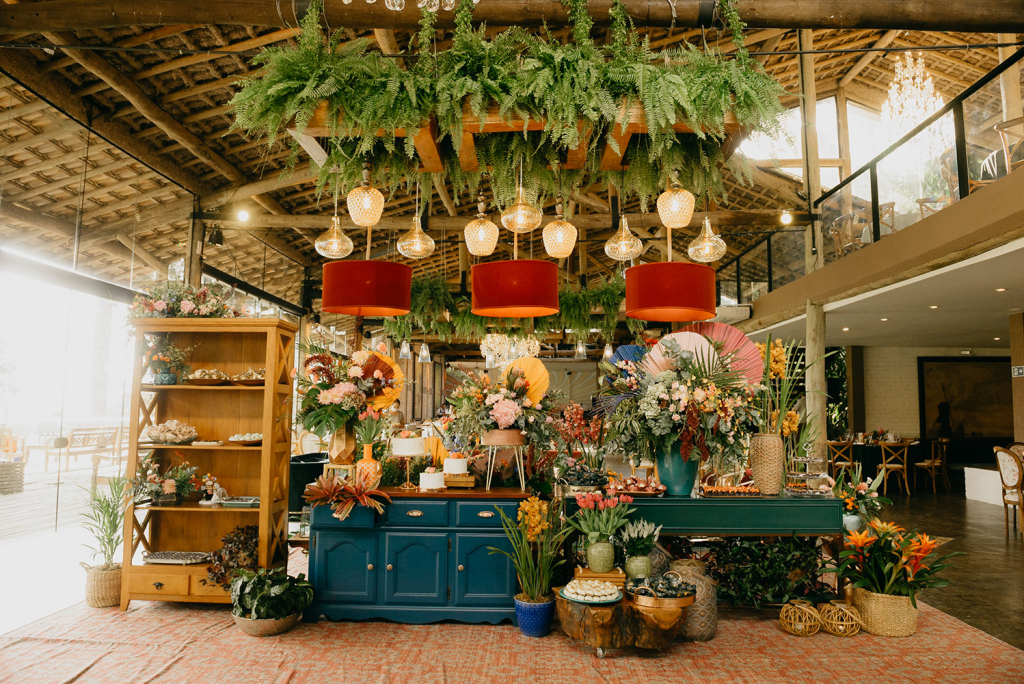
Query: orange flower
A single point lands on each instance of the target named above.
(860, 540)
(921, 546)
(881, 528)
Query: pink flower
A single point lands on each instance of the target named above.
(187, 306)
(549, 419)
(360, 357)
(505, 412)
(355, 372)
(874, 495)
(831, 482)
(431, 469)
(862, 487)
(170, 487)
(382, 348)
(160, 305)
(293, 373)
(612, 503)
(336, 394)
(378, 374)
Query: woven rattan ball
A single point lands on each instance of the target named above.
(800, 618)
(840, 618)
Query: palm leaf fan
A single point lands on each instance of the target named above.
(629, 352)
(435, 447)
(742, 354)
(390, 372)
(534, 373)
(658, 359)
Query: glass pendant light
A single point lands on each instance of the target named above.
(424, 356)
(405, 352)
(333, 243)
(416, 244)
(675, 207)
(365, 203)
(559, 235)
(608, 352)
(707, 246)
(521, 216)
(623, 246)
(581, 350)
(481, 234)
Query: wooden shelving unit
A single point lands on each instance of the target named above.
(217, 412)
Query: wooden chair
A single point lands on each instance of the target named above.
(1012, 142)
(844, 235)
(894, 460)
(1017, 448)
(936, 465)
(840, 455)
(1011, 475)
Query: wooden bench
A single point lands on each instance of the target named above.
(107, 442)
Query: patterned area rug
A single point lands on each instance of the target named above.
(164, 643)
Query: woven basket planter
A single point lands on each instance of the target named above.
(267, 626)
(884, 615)
(102, 585)
(768, 462)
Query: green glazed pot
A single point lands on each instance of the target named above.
(676, 474)
(601, 557)
(638, 566)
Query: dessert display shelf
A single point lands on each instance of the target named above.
(426, 559)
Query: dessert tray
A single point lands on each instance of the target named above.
(594, 592)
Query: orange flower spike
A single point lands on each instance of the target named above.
(860, 540)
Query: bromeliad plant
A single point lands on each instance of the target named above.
(269, 594)
(536, 535)
(886, 559)
(859, 496)
(599, 517)
(342, 496)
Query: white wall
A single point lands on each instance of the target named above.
(890, 385)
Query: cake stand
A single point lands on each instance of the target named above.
(519, 452)
(408, 466)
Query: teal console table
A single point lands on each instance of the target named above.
(425, 559)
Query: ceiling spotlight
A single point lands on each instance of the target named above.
(1000, 289)
(243, 215)
(884, 320)
(846, 330)
(933, 306)
(786, 218)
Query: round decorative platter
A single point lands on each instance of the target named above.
(561, 592)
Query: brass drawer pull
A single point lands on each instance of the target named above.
(390, 567)
(461, 568)
(158, 585)
(370, 566)
(414, 514)
(486, 514)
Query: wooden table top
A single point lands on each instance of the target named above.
(455, 493)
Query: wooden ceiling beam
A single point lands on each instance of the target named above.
(867, 58)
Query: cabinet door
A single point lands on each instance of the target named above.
(415, 571)
(345, 567)
(483, 578)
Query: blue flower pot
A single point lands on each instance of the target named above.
(676, 474)
(165, 378)
(534, 619)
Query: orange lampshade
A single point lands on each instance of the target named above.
(670, 291)
(367, 288)
(523, 288)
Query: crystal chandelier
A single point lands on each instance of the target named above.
(365, 203)
(500, 349)
(707, 246)
(623, 246)
(333, 243)
(912, 97)
(481, 234)
(675, 207)
(416, 244)
(559, 235)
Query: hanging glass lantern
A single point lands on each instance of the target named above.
(333, 243)
(416, 244)
(424, 356)
(675, 207)
(365, 203)
(481, 234)
(707, 246)
(608, 352)
(623, 246)
(521, 216)
(559, 235)
(581, 350)
(405, 352)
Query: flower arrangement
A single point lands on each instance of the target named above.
(876, 435)
(483, 404)
(336, 391)
(858, 496)
(171, 432)
(577, 434)
(342, 496)
(639, 537)
(578, 473)
(177, 299)
(164, 357)
(886, 559)
(370, 426)
(179, 480)
(536, 536)
(784, 369)
(599, 516)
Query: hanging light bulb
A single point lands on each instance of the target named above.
(424, 356)
(481, 234)
(489, 361)
(416, 244)
(675, 207)
(405, 352)
(513, 350)
(521, 216)
(559, 235)
(707, 246)
(333, 243)
(608, 352)
(448, 5)
(786, 218)
(365, 203)
(581, 350)
(623, 246)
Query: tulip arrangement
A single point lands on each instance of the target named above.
(599, 516)
(370, 426)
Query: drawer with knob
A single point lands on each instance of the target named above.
(480, 514)
(145, 583)
(417, 514)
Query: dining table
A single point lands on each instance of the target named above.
(869, 456)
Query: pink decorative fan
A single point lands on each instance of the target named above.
(745, 357)
(657, 360)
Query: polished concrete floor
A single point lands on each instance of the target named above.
(987, 585)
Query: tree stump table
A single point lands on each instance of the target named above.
(619, 624)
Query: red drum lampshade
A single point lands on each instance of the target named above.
(523, 288)
(670, 291)
(367, 288)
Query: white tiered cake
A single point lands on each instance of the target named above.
(456, 466)
(408, 446)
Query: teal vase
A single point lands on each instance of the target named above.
(676, 474)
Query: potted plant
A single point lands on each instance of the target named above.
(342, 496)
(167, 489)
(580, 436)
(536, 537)
(165, 361)
(638, 540)
(887, 567)
(599, 518)
(104, 520)
(178, 299)
(580, 478)
(371, 425)
(860, 497)
(268, 602)
(240, 551)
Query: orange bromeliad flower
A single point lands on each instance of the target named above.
(922, 545)
(881, 528)
(860, 540)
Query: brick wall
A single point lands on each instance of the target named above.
(890, 385)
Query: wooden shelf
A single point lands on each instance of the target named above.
(157, 388)
(189, 447)
(195, 507)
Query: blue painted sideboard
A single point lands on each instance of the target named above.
(425, 559)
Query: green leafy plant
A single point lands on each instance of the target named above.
(599, 517)
(269, 594)
(859, 495)
(752, 572)
(240, 552)
(639, 537)
(105, 520)
(536, 536)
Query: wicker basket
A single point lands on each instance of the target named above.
(102, 585)
(800, 618)
(266, 627)
(701, 620)
(768, 462)
(840, 618)
(884, 615)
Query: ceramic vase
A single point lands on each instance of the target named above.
(165, 379)
(342, 447)
(601, 556)
(534, 619)
(638, 566)
(367, 468)
(768, 462)
(851, 521)
(676, 474)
